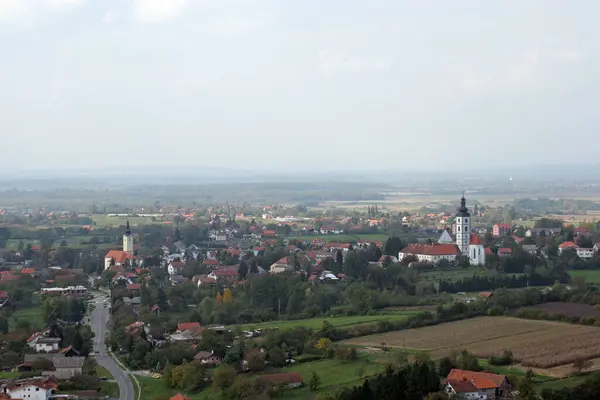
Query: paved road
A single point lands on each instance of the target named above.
(99, 319)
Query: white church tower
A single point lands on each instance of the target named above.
(463, 227)
(128, 240)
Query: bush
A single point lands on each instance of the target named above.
(505, 359)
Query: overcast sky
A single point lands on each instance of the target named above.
(295, 85)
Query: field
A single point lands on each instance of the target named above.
(342, 237)
(540, 344)
(105, 220)
(590, 275)
(338, 322)
(570, 309)
(34, 315)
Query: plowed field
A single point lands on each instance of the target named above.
(541, 344)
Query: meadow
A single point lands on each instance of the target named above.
(590, 275)
(338, 322)
(34, 315)
(105, 220)
(343, 238)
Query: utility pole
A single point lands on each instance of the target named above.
(279, 308)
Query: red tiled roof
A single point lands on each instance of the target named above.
(504, 250)
(567, 245)
(184, 326)
(431, 249)
(179, 396)
(485, 294)
(481, 380)
(27, 271)
(284, 261)
(177, 264)
(206, 280)
(226, 268)
(461, 386)
(224, 273)
(488, 251)
(3, 294)
(269, 233)
(211, 262)
(282, 378)
(134, 286)
(119, 256)
(475, 239)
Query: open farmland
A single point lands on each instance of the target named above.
(569, 309)
(541, 344)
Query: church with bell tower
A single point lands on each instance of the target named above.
(468, 243)
(116, 258)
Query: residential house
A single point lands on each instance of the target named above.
(223, 276)
(392, 259)
(66, 367)
(134, 287)
(282, 265)
(582, 252)
(175, 267)
(530, 248)
(288, 380)
(30, 389)
(177, 279)
(188, 326)
(501, 230)
(205, 280)
(65, 291)
(33, 339)
(476, 385)
(69, 351)
(119, 258)
(208, 357)
(430, 252)
(3, 298)
(211, 262)
(30, 359)
(47, 345)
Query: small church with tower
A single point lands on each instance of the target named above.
(121, 257)
(465, 243)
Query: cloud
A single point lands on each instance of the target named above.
(332, 61)
(110, 16)
(26, 12)
(519, 73)
(236, 25)
(152, 11)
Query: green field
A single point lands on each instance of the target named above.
(343, 238)
(452, 274)
(9, 374)
(590, 275)
(316, 323)
(104, 220)
(33, 314)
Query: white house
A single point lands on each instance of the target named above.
(34, 389)
(47, 345)
(175, 267)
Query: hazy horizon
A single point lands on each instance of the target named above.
(262, 85)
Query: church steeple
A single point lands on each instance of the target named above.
(128, 239)
(463, 211)
(463, 226)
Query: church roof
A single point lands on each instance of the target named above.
(431, 249)
(119, 255)
(475, 239)
(445, 238)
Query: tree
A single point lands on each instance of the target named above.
(223, 378)
(219, 298)
(580, 364)
(314, 382)
(3, 325)
(227, 296)
(243, 269)
(276, 356)
(526, 388)
(322, 343)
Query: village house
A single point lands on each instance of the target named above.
(175, 267)
(30, 389)
(476, 385)
(501, 230)
(504, 251)
(282, 265)
(65, 291)
(47, 345)
(582, 252)
(66, 367)
(179, 396)
(289, 380)
(542, 231)
(208, 358)
(33, 339)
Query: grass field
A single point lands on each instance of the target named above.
(590, 275)
(343, 237)
(9, 374)
(452, 274)
(316, 323)
(102, 372)
(34, 315)
(104, 220)
(539, 344)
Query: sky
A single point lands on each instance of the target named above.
(298, 85)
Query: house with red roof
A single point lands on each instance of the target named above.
(223, 276)
(210, 262)
(204, 280)
(3, 298)
(269, 233)
(476, 385)
(288, 380)
(430, 252)
(582, 252)
(134, 287)
(501, 230)
(179, 396)
(175, 267)
(118, 258)
(504, 251)
(282, 265)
